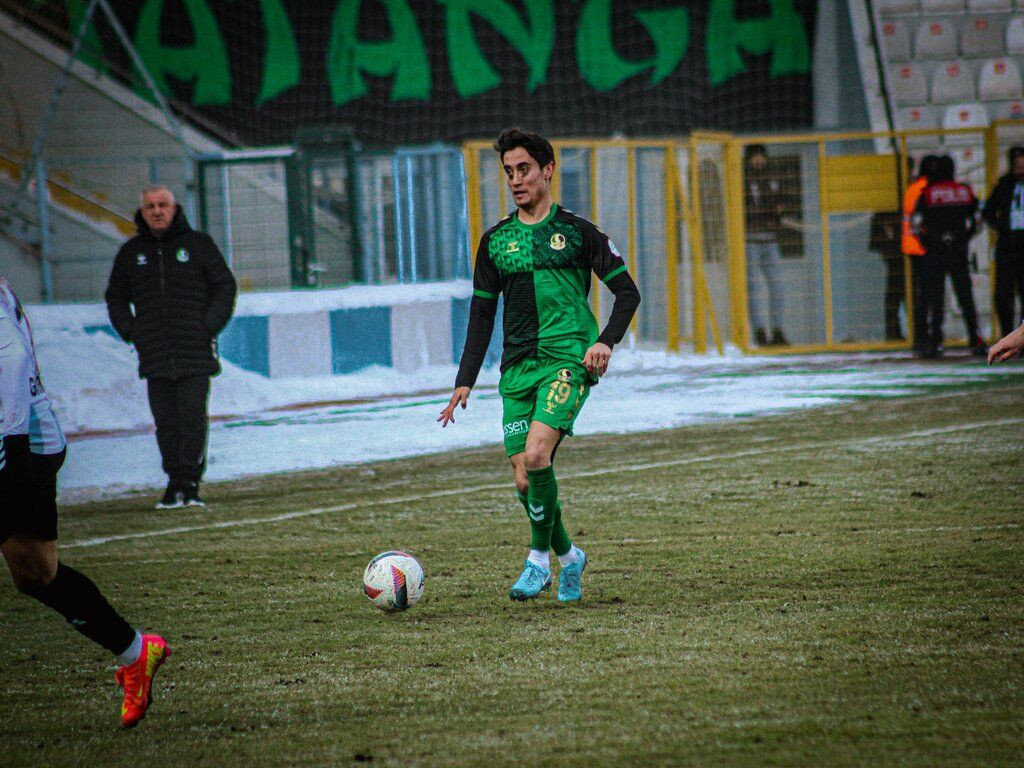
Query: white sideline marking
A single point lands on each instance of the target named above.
(94, 542)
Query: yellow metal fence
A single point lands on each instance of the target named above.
(676, 211)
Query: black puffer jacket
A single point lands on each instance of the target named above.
(182, 294)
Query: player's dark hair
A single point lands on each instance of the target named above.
(536, 146)
(753, 150)
(945, 168)
(1014, 152)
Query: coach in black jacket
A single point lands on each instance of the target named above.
(170, 294)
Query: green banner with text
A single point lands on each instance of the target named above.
(415, 71)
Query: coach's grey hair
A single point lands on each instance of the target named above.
(158, 188)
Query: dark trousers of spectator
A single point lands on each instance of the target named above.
(179, 409)
(1009, 275)
(936, 267)
(918, 269)
(895, 291)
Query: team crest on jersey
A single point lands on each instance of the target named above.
(565, 375)
(512, 247)
(140, 260)
(182, 255)
(557, 241)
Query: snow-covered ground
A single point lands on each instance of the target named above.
(265, 426)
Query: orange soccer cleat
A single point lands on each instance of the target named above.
(136, 679)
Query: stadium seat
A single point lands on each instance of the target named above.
(918, 119)
(1007, 110)
(952, 81)
(1000, 80)
(988, 6)
(896, 41)
(965, 116)
(935, 39)
(908, 84)
(897, 6)
(1015, 35)
(983, 36)
(931, 7)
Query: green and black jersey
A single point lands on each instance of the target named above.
(543, 270)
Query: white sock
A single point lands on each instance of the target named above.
(569, 557)
(540, 559)
(132, 652)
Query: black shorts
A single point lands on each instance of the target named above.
(28, 490)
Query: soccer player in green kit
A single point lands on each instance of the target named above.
(541, 257)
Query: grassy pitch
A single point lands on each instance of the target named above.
(840, 586)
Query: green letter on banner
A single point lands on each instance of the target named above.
(281, 60)
(205, 61)
(403, 56)
(782, 34)
(604, 69)
(471, 71)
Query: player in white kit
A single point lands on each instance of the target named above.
(32, 450)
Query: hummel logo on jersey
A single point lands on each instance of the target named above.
(140, 260)
(536, 512)
(182, 255)
(512, 247)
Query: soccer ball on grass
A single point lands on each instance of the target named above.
(393, 581)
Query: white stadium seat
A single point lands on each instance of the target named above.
(964, 116)
(908, 84)
(988, 6)
(895, 40)
(1000, 80)
(918, 119)
(898, 6)
(983, 36)
(931, 7)
(953, 81)
(1007, 110)
(969, 163)
(1015, 35)
(935, 39)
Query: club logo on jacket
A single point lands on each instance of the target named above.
(140, 260)
(557, 241)
(182, 255)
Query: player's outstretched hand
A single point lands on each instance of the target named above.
(1009, 346)
(597, 357)
(460, 397)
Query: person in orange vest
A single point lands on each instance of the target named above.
(946, 220)
(911, 245)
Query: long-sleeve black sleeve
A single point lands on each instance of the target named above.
(627, 299)
(222, 289)
(118, 297)
(997, 206)
(478, 337)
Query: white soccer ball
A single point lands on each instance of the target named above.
(393, 581)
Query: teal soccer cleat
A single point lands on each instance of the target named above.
(570, 588)
(531, 583)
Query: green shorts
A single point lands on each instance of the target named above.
(540, 389)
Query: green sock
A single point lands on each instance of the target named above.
(560, 541)
(541, 505)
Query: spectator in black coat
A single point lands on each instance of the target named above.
(170, 294)
(1004, 212)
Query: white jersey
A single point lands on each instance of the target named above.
(24, 407)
